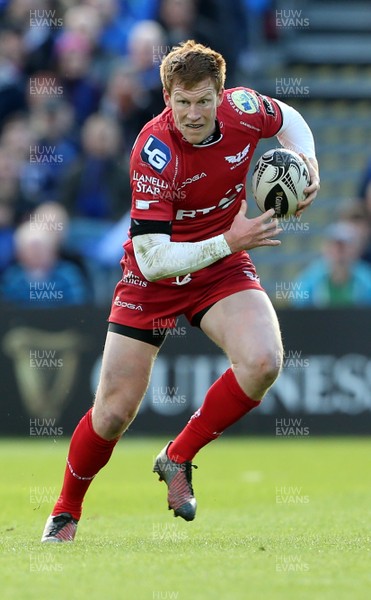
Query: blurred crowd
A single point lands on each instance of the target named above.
(78, 80)
(341, 275)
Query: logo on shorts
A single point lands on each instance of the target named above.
(182, 280)
(252, 276)
(156, 153)
(128, 305)
(132, 279)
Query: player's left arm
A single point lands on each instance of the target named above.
(295, 134)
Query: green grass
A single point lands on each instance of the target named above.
(277, 519)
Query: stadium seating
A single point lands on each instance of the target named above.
(325, 70)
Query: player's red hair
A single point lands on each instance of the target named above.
(190, 63)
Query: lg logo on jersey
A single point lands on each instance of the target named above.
(226, 201)
(156, 153)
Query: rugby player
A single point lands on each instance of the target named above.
(187, 254)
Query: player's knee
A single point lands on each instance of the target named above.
(266, 365)
(116, 406)
(120, 419)
(113, 420)
(270, 365)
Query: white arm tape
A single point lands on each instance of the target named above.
(159, 258)
(295, 133)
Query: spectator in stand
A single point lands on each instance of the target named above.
(365, 183)
(87, 21)
(96, 190)
(9, 200)
(364, 190)
(40, 278)
(134, 11)
(146, 41)
(12, 80)
(355, 213)
(364, 195)
(181, 21)
(74, 60)
(114, 32)
(230, 23)
(54, 217)
(17, 141)
(16, 137)
(51, 122)
(84, 20)
(38, 37)
(339, 278)
(127, 101)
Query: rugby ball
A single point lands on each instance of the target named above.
(279, 179)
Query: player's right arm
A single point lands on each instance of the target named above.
(159, 258)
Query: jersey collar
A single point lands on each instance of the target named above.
(214, 138)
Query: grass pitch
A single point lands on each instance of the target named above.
(277, 519)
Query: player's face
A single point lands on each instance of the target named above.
(194, 109)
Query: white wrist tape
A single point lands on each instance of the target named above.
(295, 133)
(159, 258)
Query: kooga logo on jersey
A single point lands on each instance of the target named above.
(156, 153)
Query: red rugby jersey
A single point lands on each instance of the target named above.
(199, 188)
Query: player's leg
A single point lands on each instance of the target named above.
(125, 373)
(126, 369)
(246, 327)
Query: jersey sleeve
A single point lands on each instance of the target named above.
(255, 111)
(270, 114)
(151, 178)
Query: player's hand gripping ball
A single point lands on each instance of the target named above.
(279, 179)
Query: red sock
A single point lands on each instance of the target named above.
(88, 453)
(224, 404)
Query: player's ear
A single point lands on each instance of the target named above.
(166, 97)
(220, 97)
